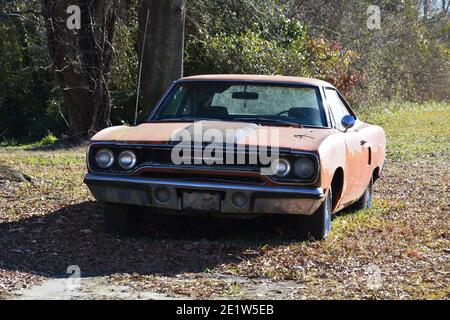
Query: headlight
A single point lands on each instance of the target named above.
(304, 168)
(282, 167)
(104, 158)
(127, 160)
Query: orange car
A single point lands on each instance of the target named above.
(239, 145)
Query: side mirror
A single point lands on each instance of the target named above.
(348, 122)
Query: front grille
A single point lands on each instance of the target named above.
(239, 158)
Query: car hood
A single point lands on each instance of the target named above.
(241, 133)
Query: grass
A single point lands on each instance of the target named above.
(414, 130)
(53, 223)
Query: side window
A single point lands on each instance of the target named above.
(337, 106)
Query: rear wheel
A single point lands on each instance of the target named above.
(316, 226)
(122, 219)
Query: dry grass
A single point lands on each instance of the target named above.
(53, 223)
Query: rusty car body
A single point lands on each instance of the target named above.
(328, 158)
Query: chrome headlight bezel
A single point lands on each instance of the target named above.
(110, 162)
(287, 165)
(302, 161)
(133, 159)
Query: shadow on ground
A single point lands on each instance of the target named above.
(170, 245)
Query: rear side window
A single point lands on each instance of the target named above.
(337, 106)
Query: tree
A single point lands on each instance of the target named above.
(163, 47)
(29, 105)
(82, 60)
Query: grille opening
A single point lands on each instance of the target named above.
(203, 177)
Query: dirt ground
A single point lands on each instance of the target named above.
(399, 249)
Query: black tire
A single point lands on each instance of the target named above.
(122, 219)
(316, 226)
(365, 202)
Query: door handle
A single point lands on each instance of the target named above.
(363, 142)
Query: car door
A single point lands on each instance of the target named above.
(355, 162)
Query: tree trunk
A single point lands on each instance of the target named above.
(9, 174)
(445, 6)
(82, 60)
(163, 48)
(426, 9)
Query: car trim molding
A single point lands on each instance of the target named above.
(112, 181)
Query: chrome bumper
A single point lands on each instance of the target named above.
(262, 199)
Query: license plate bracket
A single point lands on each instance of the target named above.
(201, 201)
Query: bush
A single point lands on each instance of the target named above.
(30, 104)
(48, 140)
(288, 52)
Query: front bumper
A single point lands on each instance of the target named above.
(262, 199)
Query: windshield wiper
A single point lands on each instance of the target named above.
(246, 119)
(270, 120)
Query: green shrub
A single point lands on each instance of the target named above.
(289, 51)
(48, 140)
(30, 103)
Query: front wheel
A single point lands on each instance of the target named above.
(122, 219)
(316, 226)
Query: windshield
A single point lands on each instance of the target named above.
(255, 102)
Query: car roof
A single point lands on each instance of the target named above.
(258, 78)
